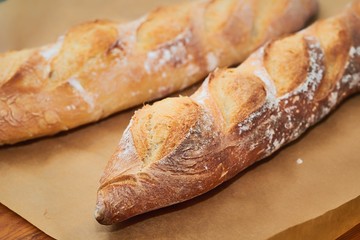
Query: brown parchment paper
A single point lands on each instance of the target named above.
(52, 182)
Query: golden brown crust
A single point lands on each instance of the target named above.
(101, 67)
(163, 25)
(12, 62)
(234, 95)
(287, 73)
(335, 39)
(262, 17)
(238, 117)
(81, 47)
(153, 133)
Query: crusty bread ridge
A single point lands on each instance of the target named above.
(179, 148)
(101, 67)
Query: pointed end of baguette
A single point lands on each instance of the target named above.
(100, 212)
(104, 214)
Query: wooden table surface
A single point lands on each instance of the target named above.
(12, 226)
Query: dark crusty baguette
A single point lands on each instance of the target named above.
(179, 148)
(102, 67)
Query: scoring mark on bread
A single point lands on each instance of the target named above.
(236, 95)
(284, 110)
(49, 52)
(87, 97)
(156, 133)
(173, 52)
(212, 61)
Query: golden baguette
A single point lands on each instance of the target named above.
(179, 148)
(101, 67)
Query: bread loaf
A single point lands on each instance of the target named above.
(101, 67)
(179, 148)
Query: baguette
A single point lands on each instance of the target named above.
(101, 67)
(179, 148)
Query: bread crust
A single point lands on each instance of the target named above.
(228, 137)
(102, 67)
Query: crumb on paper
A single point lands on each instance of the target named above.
(299, 161)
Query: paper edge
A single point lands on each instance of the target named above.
(345, 217)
